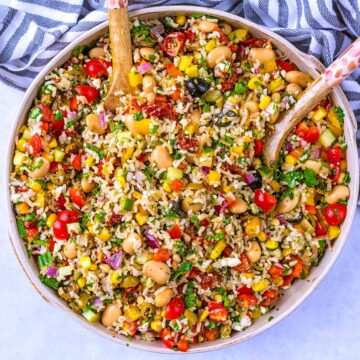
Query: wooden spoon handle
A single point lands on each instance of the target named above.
(339, 70)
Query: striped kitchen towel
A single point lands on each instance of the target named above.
(33, 31)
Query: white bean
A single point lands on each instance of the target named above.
(206, 26)
(97, 52)
(157, 271)
(298, 77)
(93, 123)
(163, 297)
(215, 56)
(147, 53)
(131, 243)
(188, 204)
(149, 83)
(239, 206)
(339, 192)
(161, 157)
(287, 204)
(254, 251)
(110, 314)
(70, 250)
(263, 55)
(43, 165)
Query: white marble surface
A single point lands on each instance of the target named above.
(325, 326)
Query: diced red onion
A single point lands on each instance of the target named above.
(289, 147)
(249, 178)
(153, 243)
(101, 198)
(52, 271)
(71, 115)
(114, 260)
(284, 102)
(316, 152)
(303, 142)
(157, 29)
(219, 208)
(143, 68)
(98, 302)
(102, 120)
(204, 170)
(281, 219)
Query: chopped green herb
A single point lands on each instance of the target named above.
(58, 115)
(80, 49)
(95, 149)
(21, 229)
(35, 112)
(310, 177)
(190, 296)
(45, 259)
(185, 267)
(50, 282)
(154, 129)
(340, 113)
(138, 116)
(194, 220)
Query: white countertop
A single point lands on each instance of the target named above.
(325, 326)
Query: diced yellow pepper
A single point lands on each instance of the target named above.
(156, 325)
(90, 161)
(319, 114)
(192, 71)
(271, 244)
(218, 249)
(238, 149)
(48, 156)
(334, 122)
(191, 317)
(333, 232)
(191, 129)
(21, 145)
(93, 267)
(249, 275)
(85, 262)
(275, 185)
(167, 187)
(261, 236)
(19, 158)
(276, 84)
(22, 208)
(53, 143)
(204, 315)
(121, 180)
(185, 62)
(136, 195)
(143, 126)
(40, 199)
(254, 83)
(214, 178)
(210, 45)
(253, 226)
(270, 65)
(264, 102)
(81, 282)
(228, 188)
(181, 20)
(106, 170)
(115, 278)
(132, 313)
(34, 185)
(104, 235)
(141, 218)
(287, 252)
(51, 220)
(135, 78)
(261, 285)
(290, 160)
(218, 298)
(238, 35)
(127, 154)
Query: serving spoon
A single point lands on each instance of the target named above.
(120, 42)
(338, 71)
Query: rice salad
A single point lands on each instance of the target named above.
(163, 221)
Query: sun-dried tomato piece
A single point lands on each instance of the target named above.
(114, 219)
(234, 169)
(186, 143)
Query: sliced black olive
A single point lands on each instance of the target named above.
(257, 183)
(197, 87)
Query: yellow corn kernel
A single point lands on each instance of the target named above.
(275, 185)
(191, 317)
(51, 220)
(238, 35)
(343, 164)
(53, 143)
(234, 100)
(270, 65)
(115, 278)
(21, 145)
(220, 102)
(192, 71)
(249, 275)
(121, 180)
(22, 208)
(135, 78)
(290, 160)
(136, 195)
(85, 262)
(34, 185)
(276, 84)
(156, 325)
(40, 199)
(141, 218)
(181, 20)
(264, 102)
(210, 45)
(214, 178)
(204, 315)
(261, 285)
(218, 298)
(127, 154)
(253, 226)
(81, 282)
(185, 62)
(333, 232)
(143, 126)
(48, 156)
(191, 129)
(218, 249)
(287, 252)
(167, 187)
(104, 235)
(19, 158)
(228, 188)
(271, 244)
(90, 161)
(238, 149)
(254, 83)
(261, 236)
(93, 267)
(319, 114)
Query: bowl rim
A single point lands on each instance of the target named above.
(51, 297)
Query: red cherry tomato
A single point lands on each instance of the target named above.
(173, 43)
(167, 338)
(312, 135)
(333, 154)
(222, 38)
(320, 229)
(34, 145)
(244, 290)
(76, 162)
(217, 311)
(174, 309)
(301, 130)
(32, 231)
(264, 200)
(183, 346)
(177, 185)
(212, 334)
(68, 216)
(335, 173)
(161, 255)
(73, 104)
(298, 268)
(76, 196)
(258, 147)
(310, 209)
(61, 202)
(247, 300)
(287, 280)
(175, 232)
(89, 92)
(271, 294)
(335, 214)
(51, 245)
(60, 230)
(97, 67)
(276, 270)
(46, 113)
(285, 65)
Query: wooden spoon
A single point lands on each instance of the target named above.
(120, 42)
(339, 70)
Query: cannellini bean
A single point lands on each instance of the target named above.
(131, 243)
(93, 123)
(207, 26)
(130, 124)
(293, 89)
(252, 106)
(64, 84)
(298, 77)
(157, 271)
(43, 165)
(339, 192)
(147, 53)
(151, 97)
(263, 55)
(161, 157)
(195, 117)
(225, 27)
(70, 250)
(287, 204)
(97, 52)
(316, 166)
(163, 297)
(215, 56)
(110, 314)
(87, 186)
(254, 251)
(189, 204)
(239, 206)
(149, 83)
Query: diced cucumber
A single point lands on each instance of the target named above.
(327, 138)
(91, 316)
(127, 204)
(59, 155)
(73, 227)
(174, 174)
(26, 134)
(264, 171)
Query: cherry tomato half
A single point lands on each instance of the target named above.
(276, 270)
(298, 268)
(175, 232)
(167, 338)
(258, 147)
(76, 197)
(60, 230)
(285, 65)
(320, 229)
(183, 346)
(97, 67)
(73, 104)
(174, 309)
(89, 92)
(34, 145)
(247, 300)
(161, 255)
(333, 154)
(309, 134)
(173, 43)
(212, 334)
(68, 216)
(335, 214)
(217, 311)
(177, 185)
(76, 162)
(264, 200)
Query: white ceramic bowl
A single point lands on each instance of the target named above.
(300, 290)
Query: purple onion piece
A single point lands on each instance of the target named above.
(204, 170)
(289, 147)
(102, 120)
(281, 219)
(219, 208)
(114, 260)
(51, 271)
(249, 178)
(316, 152)
(98, 302)
(157, 29)
(71, 115)
(143, 68)
(153, 243)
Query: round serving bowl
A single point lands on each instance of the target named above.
(293, 296)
